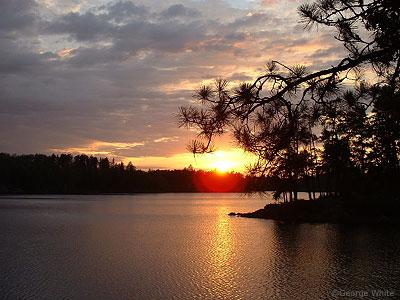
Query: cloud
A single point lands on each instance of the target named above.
(122, 11)
(99, 148)
(86, 76)
(122, 30)
(179, 10)
(242, 77)
(336, 50)
(273, 2)
(82, 27)
(17, 15)
(251, 20)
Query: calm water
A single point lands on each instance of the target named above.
(184, 246)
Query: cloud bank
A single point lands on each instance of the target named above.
(106, 78)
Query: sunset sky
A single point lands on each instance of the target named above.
(105, 78)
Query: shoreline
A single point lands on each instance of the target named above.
(329, 210)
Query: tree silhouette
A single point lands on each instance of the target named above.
(385, 127)
(274, 117)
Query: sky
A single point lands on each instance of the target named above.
(106, 78)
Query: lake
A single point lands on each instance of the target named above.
(185, 246)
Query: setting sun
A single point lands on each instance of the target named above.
(223, 165)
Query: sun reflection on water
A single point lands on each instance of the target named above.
(223, 241)
(221, 256)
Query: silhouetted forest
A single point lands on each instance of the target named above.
(82, 174)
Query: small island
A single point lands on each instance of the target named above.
(330, 210)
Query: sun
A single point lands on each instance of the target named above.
(223, 165)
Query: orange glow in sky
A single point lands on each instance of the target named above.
(224, 160)
(234, 160)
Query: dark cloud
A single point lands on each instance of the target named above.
(326, 53)
(17, 14)
(257, 19)
(17, 58)
(131, 29)
(242, 77)
(122, 11)
(85, 57)
(82, 27)
(179, 10)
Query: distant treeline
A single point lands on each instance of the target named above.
(82, 174)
